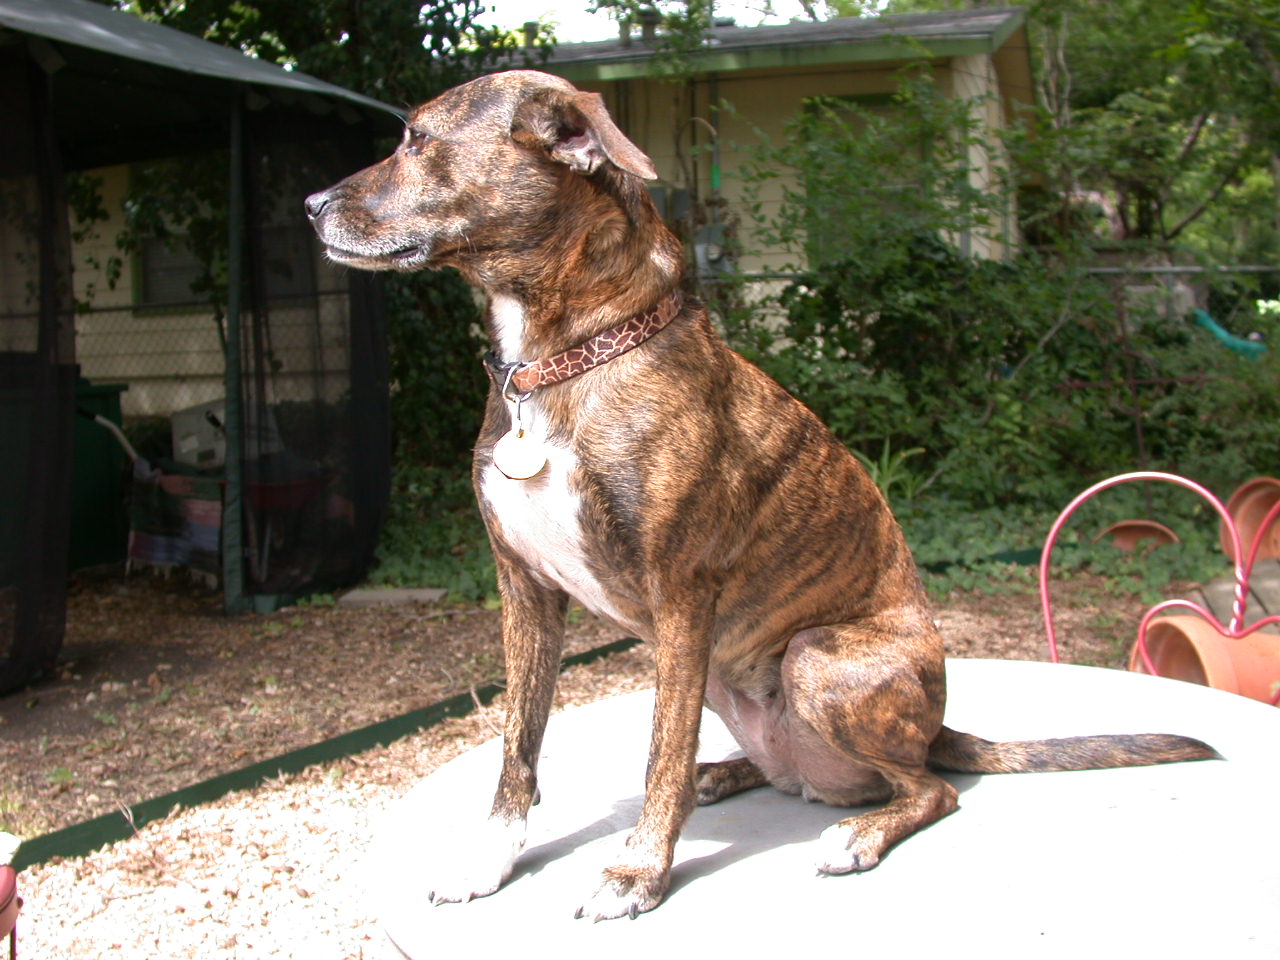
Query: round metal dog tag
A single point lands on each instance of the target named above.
(518, 455)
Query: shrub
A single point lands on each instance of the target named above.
(978, 382)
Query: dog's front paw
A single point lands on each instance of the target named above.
(628, 888)
(843, 848)
(480, 864)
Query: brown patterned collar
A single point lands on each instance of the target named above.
(524, 377)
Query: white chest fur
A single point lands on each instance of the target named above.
(506, 318)
(539, 519)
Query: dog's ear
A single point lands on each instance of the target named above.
(577, 131)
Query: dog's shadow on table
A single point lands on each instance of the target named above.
(738, 828)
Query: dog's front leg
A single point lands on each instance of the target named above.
(533, 619)
(640, 877)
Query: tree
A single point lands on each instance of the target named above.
(396, 51)
(678, 29)
(1164, 119)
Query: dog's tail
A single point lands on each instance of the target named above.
(965, 753)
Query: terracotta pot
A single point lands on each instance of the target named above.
(1248, 507)
(1127, 534)
(1190, 648)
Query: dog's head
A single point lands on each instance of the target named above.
(481, 168)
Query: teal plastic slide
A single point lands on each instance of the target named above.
(1250, 348)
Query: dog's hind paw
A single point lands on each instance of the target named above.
(842, 848)
(724, 778)
(480, 863)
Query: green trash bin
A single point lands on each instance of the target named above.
(99, 521)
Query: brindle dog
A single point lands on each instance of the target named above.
(674, 489)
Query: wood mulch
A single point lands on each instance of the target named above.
(159, 690)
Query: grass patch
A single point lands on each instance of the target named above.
(434, 536)
(942, 532)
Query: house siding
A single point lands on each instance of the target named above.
(660, 118)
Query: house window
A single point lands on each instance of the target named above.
(914, 164)
(847, 134)
(288, 254)
(167, 269)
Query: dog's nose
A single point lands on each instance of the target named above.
(316, 203)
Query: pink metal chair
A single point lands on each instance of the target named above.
(10, 905)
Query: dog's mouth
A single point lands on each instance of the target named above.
(408, 257)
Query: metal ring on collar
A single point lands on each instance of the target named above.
(511, 369)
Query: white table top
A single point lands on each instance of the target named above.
(1180, 860)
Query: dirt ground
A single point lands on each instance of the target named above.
(159, 690)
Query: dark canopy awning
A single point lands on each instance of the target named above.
(126, 88)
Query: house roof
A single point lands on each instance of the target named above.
(830, 42)
(124, 86)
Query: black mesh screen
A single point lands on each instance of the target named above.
(316, 429)
(37, 376)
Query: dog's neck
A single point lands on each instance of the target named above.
(610, 266)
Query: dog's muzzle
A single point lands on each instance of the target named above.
(350, 248)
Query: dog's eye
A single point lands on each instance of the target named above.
(414, 141)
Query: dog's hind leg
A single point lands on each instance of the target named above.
(858, 843)
(533, 618)
(866, 700)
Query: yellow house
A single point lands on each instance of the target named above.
(766, 74)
